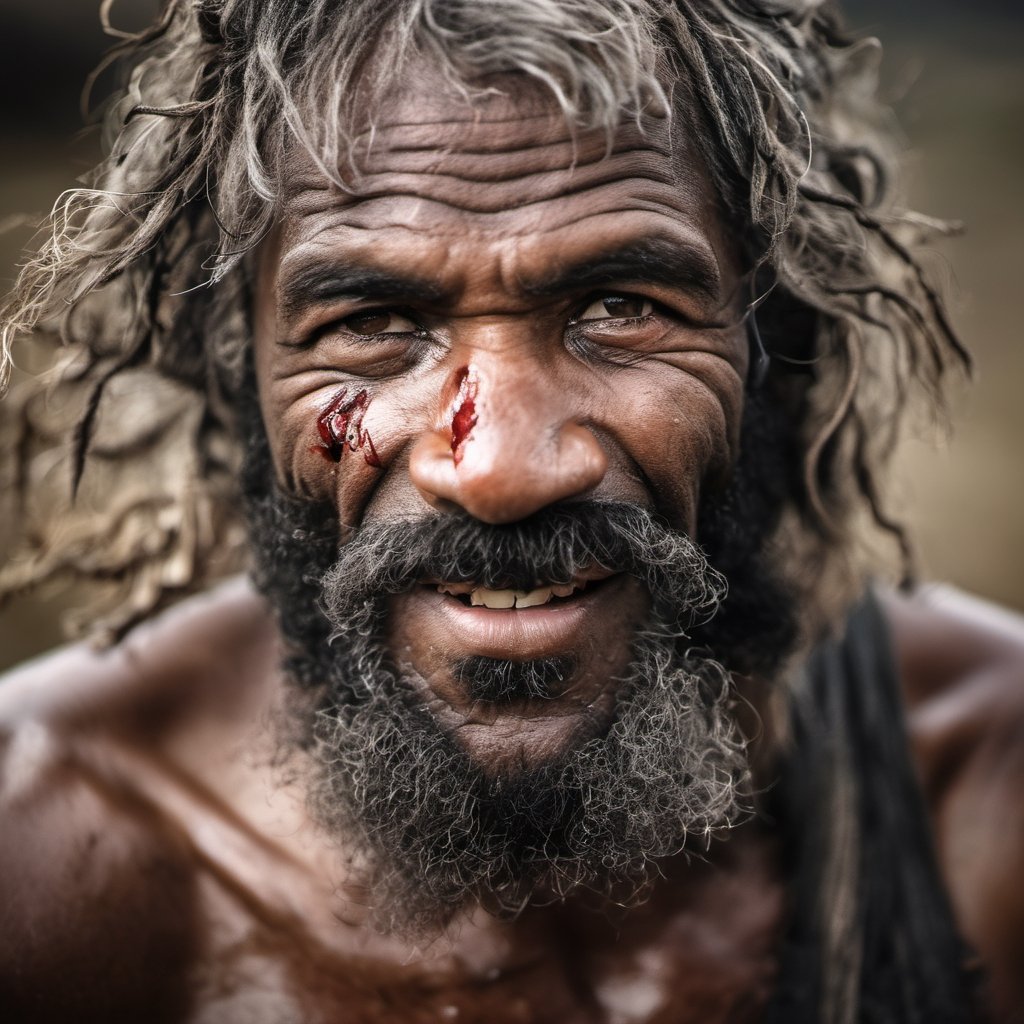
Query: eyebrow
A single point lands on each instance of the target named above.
(655, 260)
(319, 284)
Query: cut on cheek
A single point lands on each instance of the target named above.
(464, 412)
(340, 427)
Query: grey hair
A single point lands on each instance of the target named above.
(217, 91)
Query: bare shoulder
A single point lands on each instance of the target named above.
(178, 664)
(962, 663)
(97, 882)
(961, 660)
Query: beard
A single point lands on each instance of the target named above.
(427, 827)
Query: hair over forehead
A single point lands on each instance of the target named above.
(598, 62)
(143, 271)
(217, 90)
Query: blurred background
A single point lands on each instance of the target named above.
(954, 73)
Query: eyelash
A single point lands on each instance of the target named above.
(597, 297)
(340, 326)
(584, 340)
(576, 328)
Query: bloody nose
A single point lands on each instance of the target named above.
(507, 452)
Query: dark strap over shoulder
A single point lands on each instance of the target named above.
(871, 938)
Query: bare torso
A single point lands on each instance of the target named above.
(157, 862)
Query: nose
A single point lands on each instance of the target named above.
(507, 447)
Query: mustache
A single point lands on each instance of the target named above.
(550, 547)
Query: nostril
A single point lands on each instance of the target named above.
(432, 471)
(444, 504)
(500, 483)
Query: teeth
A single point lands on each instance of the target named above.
(533, 598)
(483, 597)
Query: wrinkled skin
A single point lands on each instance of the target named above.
(158, 864)
(568, 400)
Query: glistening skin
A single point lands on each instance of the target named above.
(527, 264)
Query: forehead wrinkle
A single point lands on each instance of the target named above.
(510, 225)
(645, 198)
(476, 199)
(485, 226)
(494, 144)
(523, 147)
(440, 181)
(511, 172)
(482, 140)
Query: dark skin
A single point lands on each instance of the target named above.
(525, 262)
(158, 864)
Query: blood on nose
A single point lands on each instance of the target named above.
(504, 450)
(464, 415)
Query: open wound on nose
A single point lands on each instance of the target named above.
(464, 406)
(340, 426)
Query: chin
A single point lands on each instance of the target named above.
(464, 760)
(528, 734)
(514, 687)
(515, 807)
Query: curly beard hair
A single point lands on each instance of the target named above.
(429, 827)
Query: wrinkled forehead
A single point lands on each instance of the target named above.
(446, 181)
(422, 109)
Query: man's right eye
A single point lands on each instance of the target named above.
(379, 321)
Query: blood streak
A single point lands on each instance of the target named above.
(341, 426)
(464, 416)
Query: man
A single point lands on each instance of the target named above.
(555, 347)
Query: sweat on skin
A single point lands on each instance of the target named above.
(505, 336)
(523, 249)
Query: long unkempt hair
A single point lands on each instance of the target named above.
(144, 273)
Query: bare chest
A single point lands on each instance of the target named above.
(652, 969)
(256, 988)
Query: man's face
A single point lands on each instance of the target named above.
(499, 319)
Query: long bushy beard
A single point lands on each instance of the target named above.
(432, 830)
(437, 833)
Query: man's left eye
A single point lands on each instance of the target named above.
(617, 307)
(379, 321)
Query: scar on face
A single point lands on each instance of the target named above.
(464, 410)
(340, 426)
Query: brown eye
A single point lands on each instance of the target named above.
(379, 321)
(617, 307)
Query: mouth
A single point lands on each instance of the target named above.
(475, 595)
(588, 621)
(447, 621)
